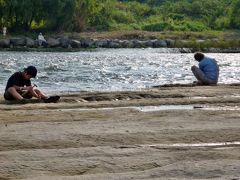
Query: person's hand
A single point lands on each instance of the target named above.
(29, 88)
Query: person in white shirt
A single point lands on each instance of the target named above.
(41, 39)
(4, 31)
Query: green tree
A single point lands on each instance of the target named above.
(19, 14)
(1, 13)
(79, 15)
(101, 18)
(84, 13)
(58, 14)
(235, 15)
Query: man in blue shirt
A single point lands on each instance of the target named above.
(208, 71)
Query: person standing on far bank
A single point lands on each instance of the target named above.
(4, 31)
(208, 71)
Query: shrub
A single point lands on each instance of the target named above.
(139, 9)
(176, 26)
(222, 23)
(123, 27)
(123, 17)
(161, 26)
(196, 26)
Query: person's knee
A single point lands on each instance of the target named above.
(11, 89)
(37, 91)
(11, 94)
(193, 68)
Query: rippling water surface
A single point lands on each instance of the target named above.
(111, 69)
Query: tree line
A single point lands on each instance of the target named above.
(108, 15)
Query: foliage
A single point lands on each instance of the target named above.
(176, 26)
(107, 15)
(235, 14)
(102, 16)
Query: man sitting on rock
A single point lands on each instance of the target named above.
(208, 71)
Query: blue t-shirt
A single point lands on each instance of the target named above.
(209, 67)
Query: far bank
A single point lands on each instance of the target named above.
(212, 41)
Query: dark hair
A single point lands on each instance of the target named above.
(198, 56)
(31, 70)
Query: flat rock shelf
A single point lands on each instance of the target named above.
(104, 135)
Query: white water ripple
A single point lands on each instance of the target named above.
(112, 69)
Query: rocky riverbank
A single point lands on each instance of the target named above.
(69, 44)
(66, 42)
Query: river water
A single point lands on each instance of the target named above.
(112, 69)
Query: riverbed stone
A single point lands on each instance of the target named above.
(114, 44)
(53, 42)
(128, 44)
(30, 42)
(4, 43)
(64, 41)
(138, 44)
(170, 42)
(159, 43)
(102, 43)
(18, 41)
(87, 43)
(75, 43)
(149, 43)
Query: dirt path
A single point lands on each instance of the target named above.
(104, 136)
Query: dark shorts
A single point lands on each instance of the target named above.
(9, 97)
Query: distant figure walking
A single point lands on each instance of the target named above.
(4, 31)
(208, 71)
(41, 39)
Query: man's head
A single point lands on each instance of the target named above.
(199, 56)
(31, 72)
